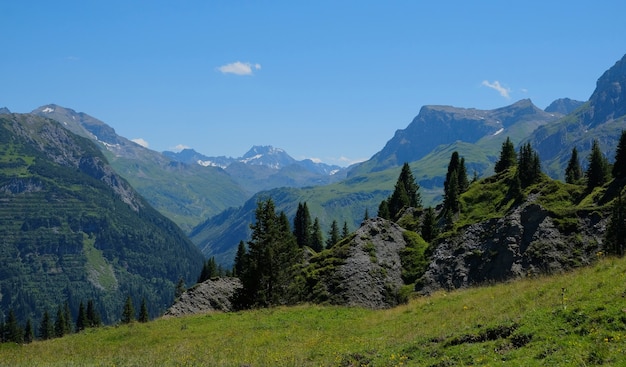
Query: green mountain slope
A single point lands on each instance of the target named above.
(574, 318)
(72, 229)
(184, 193)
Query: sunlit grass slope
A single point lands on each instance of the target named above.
(573, 319)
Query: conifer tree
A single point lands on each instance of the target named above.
(81, 319)
(302, 225)
(333, 234)
(455, 184)
(128, 313)
(619, 167)
(345, 231)
(508, 157)
(240, 259)
(93, 318)
(573, 172)
(180, 288)
(383, 210)
(366, 215)
(67, 316)
(46, 328)
(317, 239)
(429, 225)
(462, 176)
(598, 169)
(143, 312)
(29, 334)
(405, 194)
(12, 331)
(59, 323)
(528, 165)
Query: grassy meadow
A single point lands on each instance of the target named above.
(571, 319)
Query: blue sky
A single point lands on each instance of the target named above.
(330, 80)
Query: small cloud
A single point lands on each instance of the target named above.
(504, 92)
(180, 147)
(141, 142)
(239, 68)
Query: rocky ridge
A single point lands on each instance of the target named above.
(210, 295)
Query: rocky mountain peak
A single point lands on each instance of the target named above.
(563, 106)
(608, 101)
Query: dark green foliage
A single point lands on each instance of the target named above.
(272, 255)
(405, 194)
(317, 239)
(209, 270)
(383, 210)
(46, 328)
(573, 172)
(143, 312)
(615, 236)
(413, 257)
(81, 319)
(619, 166)
(180, 287)
(429, 225)
(345, 231)
(508, 157)
(366, 215)
(597, 173)
(93, 318)
(59, 324)
(29, 334)
(13, 333)
(455, 184)
(528, 166)
(240, 259)
(302, 226)
(128, 313)
(333, 234)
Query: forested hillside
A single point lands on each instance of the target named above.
(74, 231)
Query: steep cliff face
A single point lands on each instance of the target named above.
(527, 241)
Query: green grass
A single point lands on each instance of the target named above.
(573, 319)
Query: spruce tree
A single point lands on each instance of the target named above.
(302, 225)
(619, 167)
(29, 334)
(383, 210)
(429, 225)
(573, 172)
(12, 331)
(451, 194)
(528, 166)
(59, 323)
(462, 176)
(180, 288)
(143, 312)
(67, 316)
(615, 236)
(240, 259)
(81, 319)
(405, 194)
(455, 184)
(46, 328)
(128, 313)
(93, 318)
(508, 157)
(333, 234)
(366, 215)
(317, 239)
(345, 231)
(598, 169)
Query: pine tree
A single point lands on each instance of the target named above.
(317, 239)
(29, 334)
(462, 176)
(67, 316)
(455, 184)
(333, 234)
(598, 169)
(302, 225)
(59, 323)
(240, 259)
(209, 270)
(405, 194)
(128, 313)
(383, 210)
(180, 288)
(528, 166)
(366, 215)
(143, 312)
(93, 318)
(46, 328)
(451, 194)
(429, 225)
(619, 167)
(573, 172)
(12, 331)
(81, 319)
(345, 231)
(508, 157)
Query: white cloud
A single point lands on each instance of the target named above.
(180, 147)
(504, 92)
(141, 142)
(239, 68)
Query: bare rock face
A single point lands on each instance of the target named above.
(211, 295)
(371, 274)
(530, 240)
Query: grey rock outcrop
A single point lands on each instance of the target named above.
(529, 240)
(211, 295)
